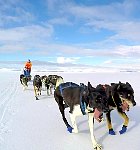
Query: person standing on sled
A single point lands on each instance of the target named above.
(27, 69)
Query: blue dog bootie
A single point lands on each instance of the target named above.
(124, 128)
(69, 128)
(112, 132)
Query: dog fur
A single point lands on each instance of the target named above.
(48, 86)
(70, 93)
(24, 81)
(55, 80)
(120, 96)
(37, 86)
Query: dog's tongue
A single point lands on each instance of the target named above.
(125, 106)
(97, 115)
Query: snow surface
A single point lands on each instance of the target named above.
(28, 124)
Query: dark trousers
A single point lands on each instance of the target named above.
(27, 72)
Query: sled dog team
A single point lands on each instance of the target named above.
(85, 99)
(40, 83)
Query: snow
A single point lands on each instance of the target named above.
(28, 124)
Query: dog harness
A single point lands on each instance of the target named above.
(63, 86)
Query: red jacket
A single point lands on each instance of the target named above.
(28, 65)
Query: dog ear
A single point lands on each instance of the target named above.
(127, 83)
(89, 86)
(118, 87)
(112, 84)
(115, 86)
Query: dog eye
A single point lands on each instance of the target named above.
(98, 99)
(129, 95)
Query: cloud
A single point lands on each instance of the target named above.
(107, 62)
(128, 51)
(63, 60)
(60, 21)
(27, 34)
(117, 17)
(15, 13)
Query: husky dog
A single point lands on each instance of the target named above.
(37, 86)
(24, 81)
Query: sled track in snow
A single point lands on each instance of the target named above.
(6, 99)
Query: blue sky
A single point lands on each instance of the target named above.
(92, 32)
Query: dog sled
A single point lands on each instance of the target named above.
(27, 74)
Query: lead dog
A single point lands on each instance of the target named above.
(121, 97)
(81, 100)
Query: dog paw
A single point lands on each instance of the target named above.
(37, 98)
(112, 132)
(97, 147)
(69, 129)
(124, 128)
